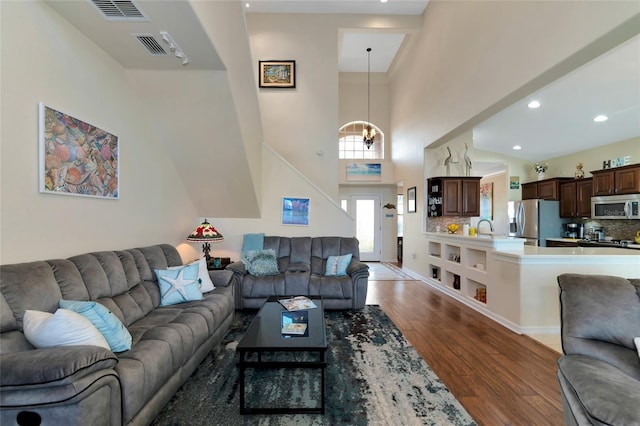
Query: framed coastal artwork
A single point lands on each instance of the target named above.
(364, 172)
(76, 158)
(277, 74)
(486, 201)
(295, 211)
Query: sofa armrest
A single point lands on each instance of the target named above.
(357, 267)
(237, 268)
(221, 278)
(63, 364)
(298, 267)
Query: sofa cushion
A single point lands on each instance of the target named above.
(63, 328)
(606, 394)
(337, 265)
(178, 285)
(261, 262)
(114, 332)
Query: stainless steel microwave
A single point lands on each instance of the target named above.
(616, 207)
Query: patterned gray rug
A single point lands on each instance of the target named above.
(374, 377)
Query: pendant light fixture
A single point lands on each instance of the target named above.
(368, 133)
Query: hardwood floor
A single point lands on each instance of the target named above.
(500, 377)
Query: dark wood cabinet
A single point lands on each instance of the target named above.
(548, 189)
(620, 180)
(530, 191)
(454, 196)
(556, 243)
(575, 198)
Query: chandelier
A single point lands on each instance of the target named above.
(368, 133)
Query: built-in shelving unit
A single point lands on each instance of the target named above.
(463, 266)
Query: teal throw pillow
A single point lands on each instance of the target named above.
(262, 262)
(114, 332)
(337, 265)
(179, 285)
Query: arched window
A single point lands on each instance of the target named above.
(351, 146)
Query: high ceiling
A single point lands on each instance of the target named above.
(562, 125)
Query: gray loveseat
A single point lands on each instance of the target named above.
(301, 272)
(90, 385)
(599, 372)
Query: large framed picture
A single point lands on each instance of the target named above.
(295, 211)
(277, 74)
(411, 200)
(76, 158)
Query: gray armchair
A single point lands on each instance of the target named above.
(599, 372)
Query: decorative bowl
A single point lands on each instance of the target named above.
(452, 228)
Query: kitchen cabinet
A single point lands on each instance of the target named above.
(530, 191)
(620, 180)
(454, 196)
(575, 198)
(559, 243)
(547, 189)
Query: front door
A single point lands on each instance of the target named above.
(367, 212)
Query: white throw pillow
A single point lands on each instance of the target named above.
(637, 342)
(206, 285)
(64, 328)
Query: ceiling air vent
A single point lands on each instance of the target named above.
(150, 43)
(119, 10)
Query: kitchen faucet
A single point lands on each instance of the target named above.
(484, 220)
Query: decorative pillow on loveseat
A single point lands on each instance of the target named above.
(337, 265)
(179, 285)
(116, 334)
(261, 262)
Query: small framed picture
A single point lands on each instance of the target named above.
(411, 200)
(295, 211)
(277, 74)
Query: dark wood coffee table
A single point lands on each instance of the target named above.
(265, 335)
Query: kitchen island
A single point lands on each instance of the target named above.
(514, 284)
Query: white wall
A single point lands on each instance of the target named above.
(46, 59)
(280, 179)
(470, 56)
(299, 122)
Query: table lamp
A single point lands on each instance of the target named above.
(205, 233)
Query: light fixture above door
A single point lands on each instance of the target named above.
(368, 133)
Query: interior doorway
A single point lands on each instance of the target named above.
(366, 209)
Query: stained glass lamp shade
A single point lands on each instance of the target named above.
(205, 233)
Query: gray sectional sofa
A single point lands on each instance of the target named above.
(90, 385)
(599, 372)
(301, 270)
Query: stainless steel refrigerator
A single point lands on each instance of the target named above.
(535, 220)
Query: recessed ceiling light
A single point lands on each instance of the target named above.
(247, 5)
(383, 1)
(600, 118)
(517, 147)
(533, 104)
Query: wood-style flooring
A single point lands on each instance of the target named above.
(500, 377)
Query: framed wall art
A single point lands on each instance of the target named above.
(295, 211)
(76, 158)
(486, 201)
(364, 172)
(411, 200)
(277, 74)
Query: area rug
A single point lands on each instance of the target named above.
(374, 377)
